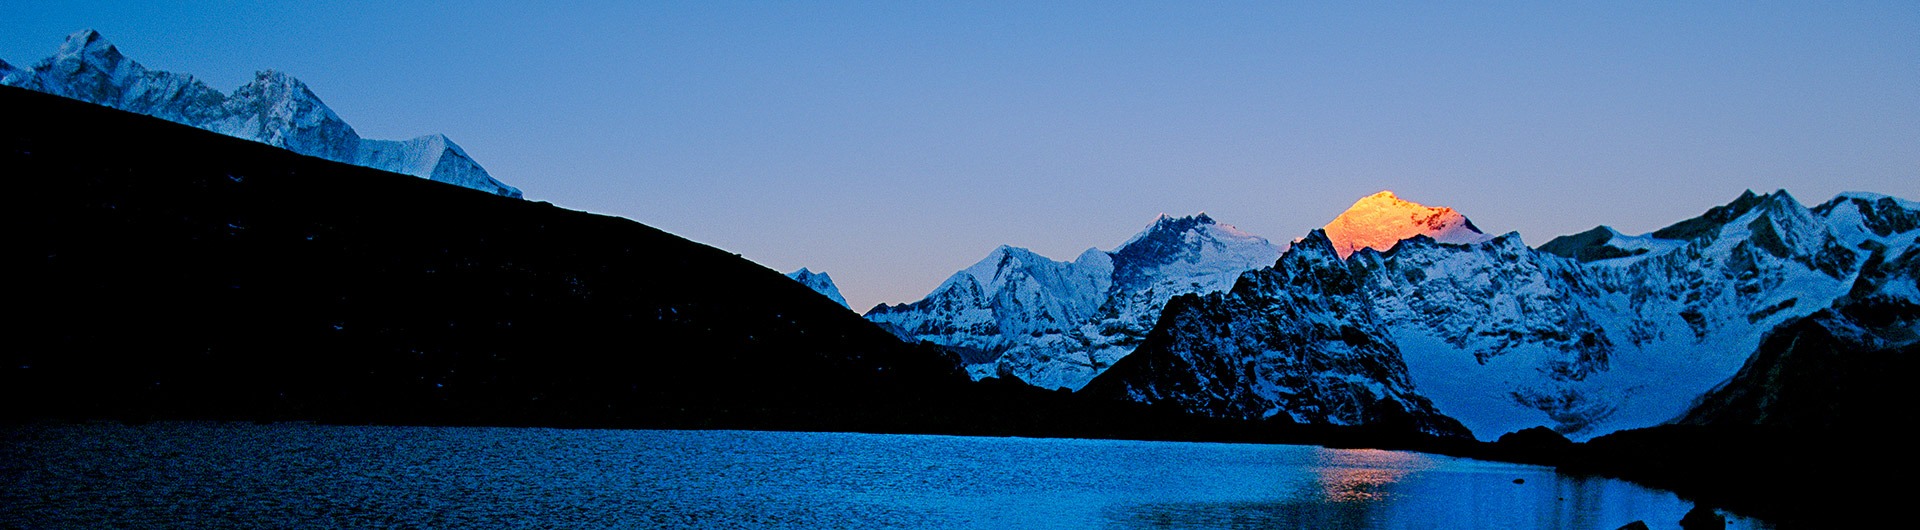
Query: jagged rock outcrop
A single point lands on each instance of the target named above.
(1296, 341)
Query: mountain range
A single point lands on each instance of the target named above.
(275, 109)
(1407, 314)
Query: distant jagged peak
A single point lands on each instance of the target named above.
(1383, 219)
(86, 54)
(821, 283)
(278, 90)
(274, 108)
(1709, 223)
(1005, 259)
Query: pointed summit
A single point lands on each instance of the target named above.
(1380, 220)
(87, 41)
(820, 282)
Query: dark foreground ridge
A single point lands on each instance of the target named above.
(172, 273)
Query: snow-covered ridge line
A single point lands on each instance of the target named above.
(275, 109)
(1059, 324)
(1589, 334)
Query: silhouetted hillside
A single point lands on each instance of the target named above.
(166, 271)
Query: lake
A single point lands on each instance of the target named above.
(300, 475)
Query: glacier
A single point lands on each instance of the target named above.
(275, 109)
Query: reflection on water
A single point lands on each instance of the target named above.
(290, 475)
(1361, 475)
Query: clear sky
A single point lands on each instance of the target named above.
(893, 143)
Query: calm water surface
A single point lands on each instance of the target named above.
(295, 475)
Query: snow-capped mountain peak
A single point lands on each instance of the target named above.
(820, 282)
(1380, 220)
(1193, 249)
(278, 109)
(275, 108)
(1058, 324)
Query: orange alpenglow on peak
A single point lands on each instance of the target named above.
(1381, 220)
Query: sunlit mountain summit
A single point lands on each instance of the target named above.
(1381, 220)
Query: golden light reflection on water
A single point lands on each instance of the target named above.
(1363, 475)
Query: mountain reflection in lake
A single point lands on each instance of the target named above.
(295, 475)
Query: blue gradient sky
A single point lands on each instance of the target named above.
(892, 144)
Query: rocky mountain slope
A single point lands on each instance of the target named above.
(274, 109)
(1809, 427)
(1842, 369)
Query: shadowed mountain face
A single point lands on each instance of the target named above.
(1811, 427)
(174, 272)
(1843, 369)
